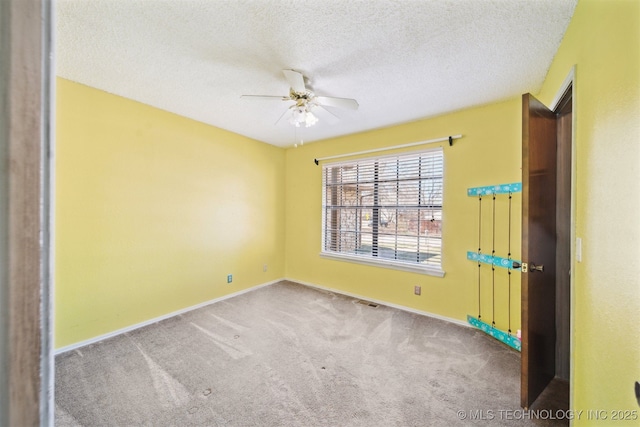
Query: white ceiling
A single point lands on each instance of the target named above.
(401, 60)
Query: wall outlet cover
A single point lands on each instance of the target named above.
(229, 278)
(417, 290)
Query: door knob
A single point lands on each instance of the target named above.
(534, 267)
(530, 267)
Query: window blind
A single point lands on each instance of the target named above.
(386, 209)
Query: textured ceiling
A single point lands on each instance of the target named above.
(401, 60)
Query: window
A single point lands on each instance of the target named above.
(385, 210)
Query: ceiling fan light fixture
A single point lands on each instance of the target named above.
(310, 119)
(301, 114)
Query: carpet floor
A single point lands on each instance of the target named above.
(291, 355)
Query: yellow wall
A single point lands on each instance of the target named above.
(489, 153)
(152, 211)
(144, 226)
(603, 41)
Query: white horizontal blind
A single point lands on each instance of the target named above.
(385, 208)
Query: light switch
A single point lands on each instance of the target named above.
(579, 249)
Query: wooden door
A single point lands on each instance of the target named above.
(538, 248)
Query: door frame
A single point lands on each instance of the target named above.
(26, 143)
(570, 81)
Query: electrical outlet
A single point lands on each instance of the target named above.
(229, 278)
(264, 268)
(417, 290)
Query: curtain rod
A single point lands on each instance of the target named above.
(375, 150)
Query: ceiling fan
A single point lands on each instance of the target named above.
(305, 101)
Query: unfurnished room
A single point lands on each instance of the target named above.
(320, 213)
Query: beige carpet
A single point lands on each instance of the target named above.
(289, 355)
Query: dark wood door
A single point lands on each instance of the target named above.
(538, 248)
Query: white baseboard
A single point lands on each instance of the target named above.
(388, 304)
(158, 319)
(222, 298)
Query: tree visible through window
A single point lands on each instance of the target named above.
(386, 209)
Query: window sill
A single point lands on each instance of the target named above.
(384, 264)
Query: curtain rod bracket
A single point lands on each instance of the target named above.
(316, 162)
(450, 140)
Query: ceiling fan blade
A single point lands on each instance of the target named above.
(282, 115)
(295, 79)
(329, 101)
(325, 116)
(267, 97)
